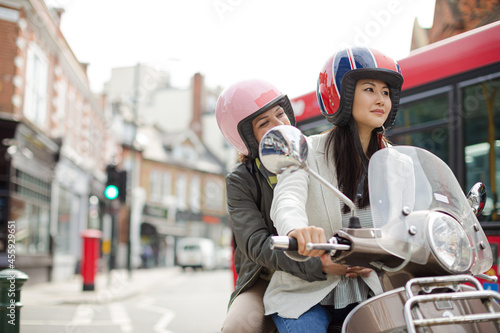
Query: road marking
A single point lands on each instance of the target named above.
(168, 315)
(161, 325)
(120, 317)
(83, 315)
(65, 323)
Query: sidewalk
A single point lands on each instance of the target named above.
(108, 287)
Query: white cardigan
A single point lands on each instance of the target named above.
(298, 199)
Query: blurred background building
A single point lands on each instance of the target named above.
(57, 138)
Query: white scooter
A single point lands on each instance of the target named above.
(426, 243)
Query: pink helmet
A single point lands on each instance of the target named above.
(239, 104)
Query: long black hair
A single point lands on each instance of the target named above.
(343, 148)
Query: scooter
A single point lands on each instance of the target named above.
(426, 243)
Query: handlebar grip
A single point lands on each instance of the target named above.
(293, 245)
(284, 243)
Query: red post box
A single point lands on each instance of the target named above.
(91, 239)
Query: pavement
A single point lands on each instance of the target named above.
(109, 287)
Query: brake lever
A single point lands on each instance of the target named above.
(286, 243)
(331, 247)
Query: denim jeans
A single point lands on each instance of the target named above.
(317, 319)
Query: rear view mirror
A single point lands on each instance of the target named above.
(477, 198)
(283, 147)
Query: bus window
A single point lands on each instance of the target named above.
(423, 112)
(424, 124)
(481, 118)
(435, 140)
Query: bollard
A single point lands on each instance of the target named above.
(11, 282)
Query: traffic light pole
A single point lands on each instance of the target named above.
(129, 247)
(110, 235)
(131, 210)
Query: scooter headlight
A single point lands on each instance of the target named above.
(449, 242)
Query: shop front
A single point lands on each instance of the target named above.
(26, 174)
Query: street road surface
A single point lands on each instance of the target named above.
(185, 302)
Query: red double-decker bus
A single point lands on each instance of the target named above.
(450, 105)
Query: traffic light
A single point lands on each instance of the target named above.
(116, 186)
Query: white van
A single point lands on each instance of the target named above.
(196, 252)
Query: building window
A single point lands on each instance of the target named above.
(35, 103)
(69, 137)
(31, 188)
(155, 186)
(185, 154)
(61, 105)
(167, 185)
(178, 153)
(190, 155)
(180, 187)
(195, 195)
(31, 211)
(213, 195)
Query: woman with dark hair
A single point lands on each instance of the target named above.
(245, 111)
(358, 92)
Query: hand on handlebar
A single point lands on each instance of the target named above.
(306, 235)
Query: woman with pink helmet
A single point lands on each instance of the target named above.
(358, 91)
(245, 111)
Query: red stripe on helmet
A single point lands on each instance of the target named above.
(351, 58)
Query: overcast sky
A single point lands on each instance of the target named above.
(285, 42)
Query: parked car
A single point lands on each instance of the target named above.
(196, 253)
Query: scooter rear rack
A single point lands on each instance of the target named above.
(453, 282)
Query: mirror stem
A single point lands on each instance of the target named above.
(339, 194)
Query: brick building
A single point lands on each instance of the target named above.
(165, 148)
(453, 17)
(53, 142)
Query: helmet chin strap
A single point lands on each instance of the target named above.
(380, 136)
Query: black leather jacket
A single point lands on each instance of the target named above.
(252, 228)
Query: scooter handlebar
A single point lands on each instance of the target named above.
(284, 243)
(327, 247)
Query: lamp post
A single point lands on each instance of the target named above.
(135, 107)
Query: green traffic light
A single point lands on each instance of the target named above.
(111, 192)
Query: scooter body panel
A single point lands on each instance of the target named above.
(385, 314)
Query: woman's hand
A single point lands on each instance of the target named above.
(355, 271)
(329, 267)
(306, 235)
